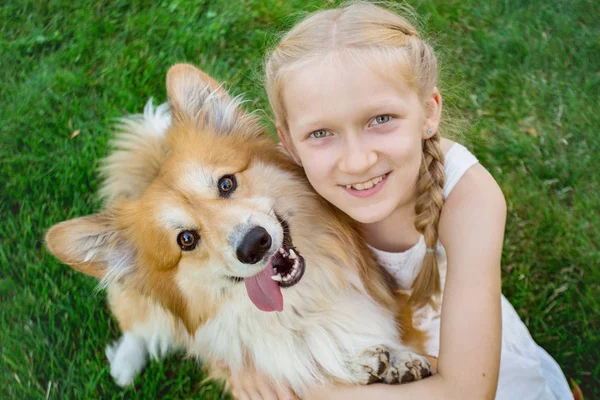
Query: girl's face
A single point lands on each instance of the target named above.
(357, 135)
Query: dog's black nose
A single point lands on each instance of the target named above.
(254, 246)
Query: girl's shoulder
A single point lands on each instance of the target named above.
(469, 187)
(458, 161)
(471, 192)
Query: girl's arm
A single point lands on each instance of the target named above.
(472, 231)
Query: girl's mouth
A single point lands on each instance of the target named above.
(369, 188)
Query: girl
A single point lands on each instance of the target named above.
(356, 104)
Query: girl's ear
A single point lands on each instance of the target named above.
(287, 145)
(433, 114)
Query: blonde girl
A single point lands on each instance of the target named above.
(356, 104)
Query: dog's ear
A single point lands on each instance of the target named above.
(94, 245)
(189, 89)
(196, 98)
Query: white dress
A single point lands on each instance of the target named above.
(527, 371)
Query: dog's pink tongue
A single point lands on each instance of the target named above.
(264, 292)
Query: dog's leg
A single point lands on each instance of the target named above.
(148, 331)
(128, 355)
(370, 365)
(405, 364)
(405, 367)
(377, 364)
(127, 358)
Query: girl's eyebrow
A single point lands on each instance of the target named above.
(388, 104)
(310, 125)
(385, 104)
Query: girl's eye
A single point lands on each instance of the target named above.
(321, 133)
(380, 119)
(227, 185)
(188, 240)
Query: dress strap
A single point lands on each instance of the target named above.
(457, 161)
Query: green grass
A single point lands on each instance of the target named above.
(524, 75)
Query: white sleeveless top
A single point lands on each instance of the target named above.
(527, 372)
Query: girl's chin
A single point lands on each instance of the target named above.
(369, 214)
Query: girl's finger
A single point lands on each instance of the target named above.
(239, 394)
(285, 393)
(237, 389)
(265, 388)
(253, 395)
(433, 363)
(249, 384)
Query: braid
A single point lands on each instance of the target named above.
(428, 207)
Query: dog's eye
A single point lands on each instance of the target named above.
(227, 185)
(188, 240)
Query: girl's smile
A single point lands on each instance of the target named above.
(368, 188)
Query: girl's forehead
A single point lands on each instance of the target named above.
(331, 84)
(348, 67)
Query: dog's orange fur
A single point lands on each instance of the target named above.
(410, 335)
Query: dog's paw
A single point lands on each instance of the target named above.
(406, 367)
(370, 366)
(127, 358)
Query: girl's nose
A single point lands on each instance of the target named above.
(357, 157)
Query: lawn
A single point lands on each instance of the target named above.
(522, 77)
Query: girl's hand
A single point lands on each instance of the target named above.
(433, 363)
(251, 385)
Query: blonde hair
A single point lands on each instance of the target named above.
(367, 30)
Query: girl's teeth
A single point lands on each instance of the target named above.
(366, 185)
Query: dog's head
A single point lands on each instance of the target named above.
(216, 212)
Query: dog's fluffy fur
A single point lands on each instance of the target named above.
(339, 322)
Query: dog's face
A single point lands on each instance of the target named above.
(213, 221)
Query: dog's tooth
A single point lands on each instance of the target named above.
(281, 250)
(292, 254)
(276, 278)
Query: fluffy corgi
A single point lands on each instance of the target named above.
(213, 241)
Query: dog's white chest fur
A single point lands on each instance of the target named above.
(297, 347)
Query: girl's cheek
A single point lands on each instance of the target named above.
(399, 147)
(316, 153)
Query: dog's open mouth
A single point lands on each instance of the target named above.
(288, 266)
(285, 268)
